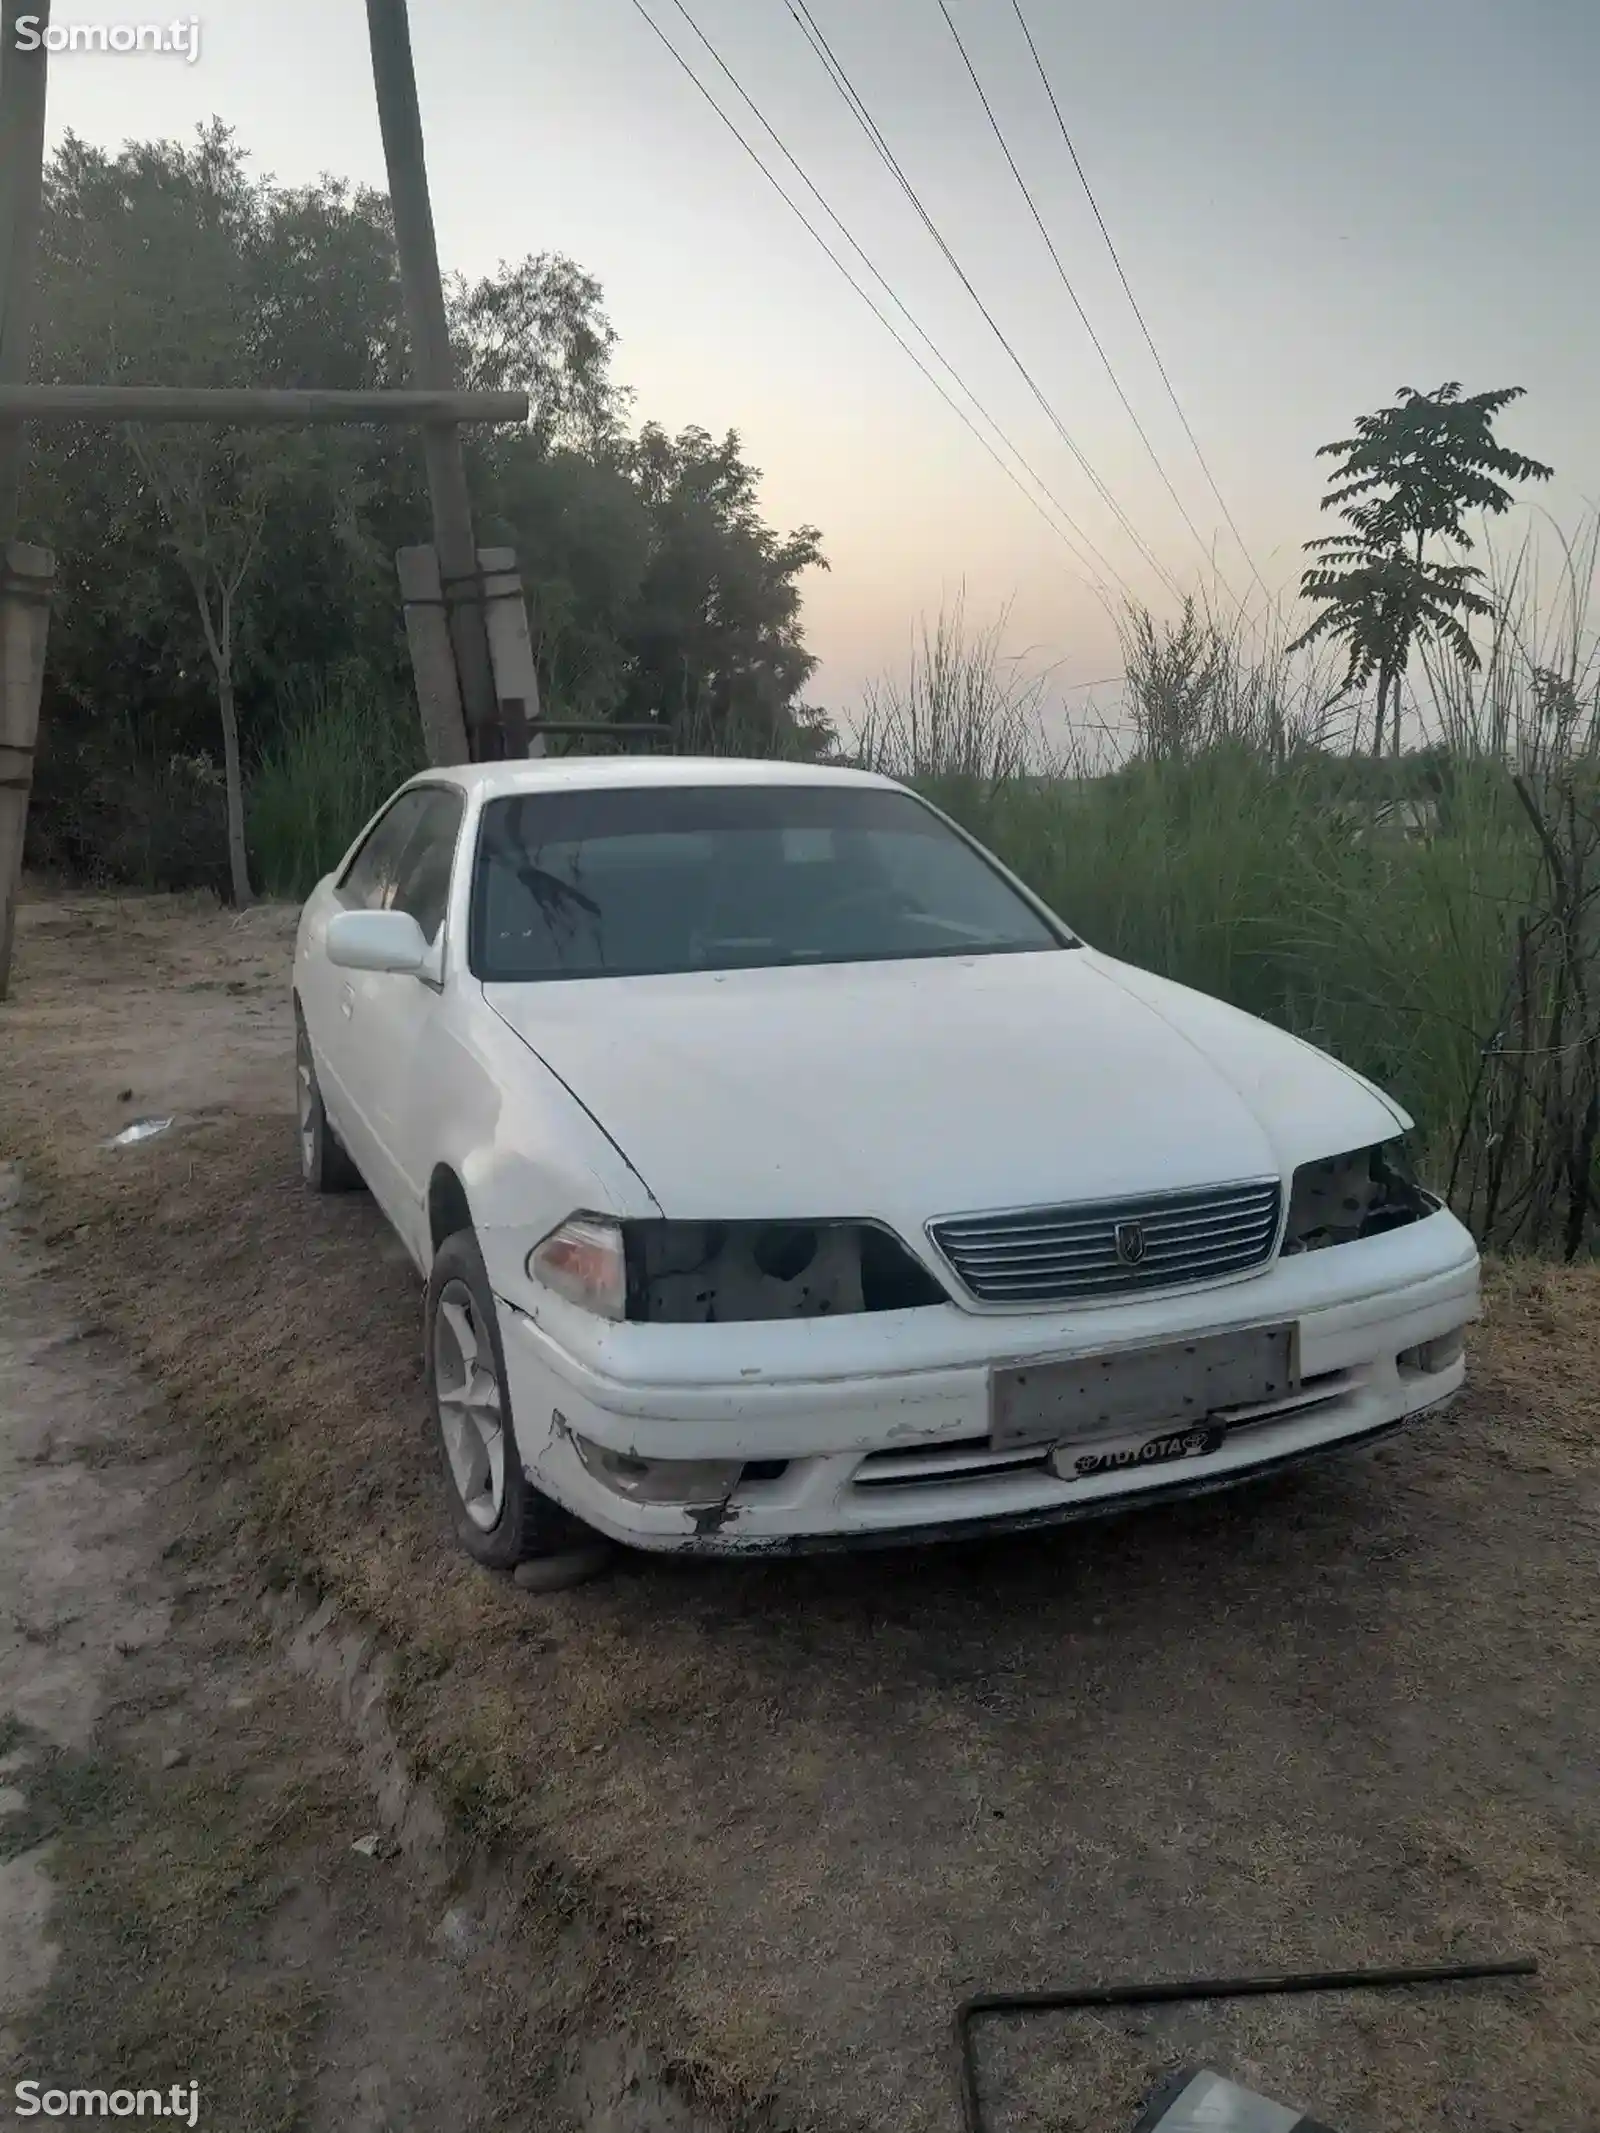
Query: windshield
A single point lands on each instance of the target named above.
(632, 880)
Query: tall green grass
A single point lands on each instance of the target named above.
(345, 744)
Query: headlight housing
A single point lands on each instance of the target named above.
(584, 1261)
(687, 1273)
(1344, 1198)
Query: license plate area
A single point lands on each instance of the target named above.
(1091, 1398)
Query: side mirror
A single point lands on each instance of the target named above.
(377, 940)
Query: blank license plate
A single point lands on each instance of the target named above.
(1092, 1397)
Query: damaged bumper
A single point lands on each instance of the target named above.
(771, 1437)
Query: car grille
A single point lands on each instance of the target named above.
(1059, 1254)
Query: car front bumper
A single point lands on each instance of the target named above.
(871, 1430)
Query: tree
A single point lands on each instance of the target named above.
(583, 537)
(656, 591)
(540, 328)
(654, 586)
(174, 262)
(214, 489)
(716, 639)
(1409, 475)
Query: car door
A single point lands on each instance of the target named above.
(393, 1018)
(328, 994)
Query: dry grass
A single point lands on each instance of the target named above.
(1339, 1718)
(175, 1884)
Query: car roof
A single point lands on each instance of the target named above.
(490, 781)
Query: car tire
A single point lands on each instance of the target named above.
(324, 1164)
(500, 1518)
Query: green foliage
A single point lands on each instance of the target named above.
(342, 747)
(1411, 473)
(654, 587)
(123, 814)
(717, 622)
(1379, 601)
(540, 328)
(1437, 456)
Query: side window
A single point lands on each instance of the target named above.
(422, 879)
(369, 879)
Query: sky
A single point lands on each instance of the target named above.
(1313, 204)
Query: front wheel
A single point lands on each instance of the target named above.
(500, 1518)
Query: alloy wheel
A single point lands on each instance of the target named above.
(471, 1407)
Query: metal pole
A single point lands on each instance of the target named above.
(22, 95)
(433, 366)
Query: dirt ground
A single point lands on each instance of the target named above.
(192, 1888)
(1347, 1717)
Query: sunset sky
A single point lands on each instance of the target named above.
(1314, 204)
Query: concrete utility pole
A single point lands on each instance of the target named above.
(22, 95)
(26, 574)
(26, 581)
(433, 368)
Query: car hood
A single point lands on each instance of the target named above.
(913, 1090)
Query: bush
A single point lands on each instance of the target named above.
(111, 815)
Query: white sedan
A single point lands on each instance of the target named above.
(785, 1175)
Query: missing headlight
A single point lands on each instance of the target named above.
(689, 1273)
(1345, 1198)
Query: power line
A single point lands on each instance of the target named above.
(836, 73)
(1149, 341)
(800, 215)
(1066, 283)
(1093, 580)
(939, 357)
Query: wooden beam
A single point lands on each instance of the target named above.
(245, 408)
(23, 77)
(433, 366)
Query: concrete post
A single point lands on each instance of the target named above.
(27, 576)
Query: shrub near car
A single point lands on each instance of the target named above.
(785, 1175)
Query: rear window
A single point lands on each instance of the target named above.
(628, 881)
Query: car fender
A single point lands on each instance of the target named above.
(525, 1150)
